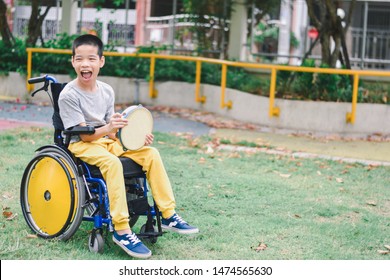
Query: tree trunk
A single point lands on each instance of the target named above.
(35, 23)
(331, 31)
(5, 32)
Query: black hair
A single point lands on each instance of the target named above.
(88, 39)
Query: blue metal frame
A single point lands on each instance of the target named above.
(99, 219)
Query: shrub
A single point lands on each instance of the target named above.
(293, 85)
(13, 59)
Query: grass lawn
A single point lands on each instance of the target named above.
(248, 206)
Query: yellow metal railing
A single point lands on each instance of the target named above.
(273, 110)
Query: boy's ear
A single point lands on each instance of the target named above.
(102, 61)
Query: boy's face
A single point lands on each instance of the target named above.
(87, 64)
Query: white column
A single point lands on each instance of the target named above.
(284, 31)
(69, 16)
(298, 26)
(238, 30)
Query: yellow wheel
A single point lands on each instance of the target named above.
(52, 195)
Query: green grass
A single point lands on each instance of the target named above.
(303, 209)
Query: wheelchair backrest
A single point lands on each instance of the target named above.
(56, 89)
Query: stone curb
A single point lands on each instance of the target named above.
(233, 148)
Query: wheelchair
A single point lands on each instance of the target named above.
(59, 191)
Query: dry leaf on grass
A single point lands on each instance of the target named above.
(383, 252)
(7, 214)
(285, 175)
(193, 142)
(339, 180)
(323, 166)
(6, 196)
(234, 155)
(371, 203)
(371, 167)
(209, 150)
(261, 247)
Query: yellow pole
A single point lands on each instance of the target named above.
(152, 90)
(273, 111)
(351, 116)
(223, 87)
(198, 98)
(29, 66)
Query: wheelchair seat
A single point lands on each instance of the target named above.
(130, 168)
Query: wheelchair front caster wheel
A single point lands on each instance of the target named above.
(96, 243)
(150, 234)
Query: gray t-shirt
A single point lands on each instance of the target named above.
(94, 109)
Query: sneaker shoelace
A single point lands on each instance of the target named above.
(179, 219)
(133, 238)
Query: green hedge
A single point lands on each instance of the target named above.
(290, 85)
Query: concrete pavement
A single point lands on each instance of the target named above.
(370, 152)
(375, 150)
(19, 114)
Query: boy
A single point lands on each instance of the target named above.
(88, 101)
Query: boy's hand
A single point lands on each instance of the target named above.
(117, 121)
(149, 139)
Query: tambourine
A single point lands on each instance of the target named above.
(140, 123)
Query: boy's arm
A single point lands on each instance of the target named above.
(116, 122)
(112, 136)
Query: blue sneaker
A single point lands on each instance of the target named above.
(132, 245)
(177, 224)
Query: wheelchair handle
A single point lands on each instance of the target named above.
(42, 79)
(47, 79)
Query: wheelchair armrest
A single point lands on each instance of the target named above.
(77, 130)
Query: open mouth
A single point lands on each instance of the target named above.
(86, 74)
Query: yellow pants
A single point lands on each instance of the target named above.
(104, 154)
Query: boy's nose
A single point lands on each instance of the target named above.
(85, 62)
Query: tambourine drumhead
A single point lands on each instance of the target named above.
(140, 123)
